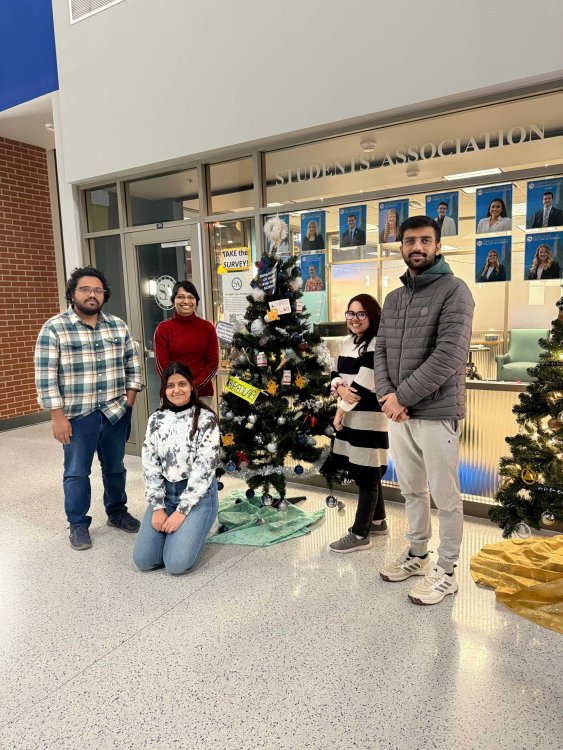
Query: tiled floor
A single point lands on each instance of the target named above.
(286, 647)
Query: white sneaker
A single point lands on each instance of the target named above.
(435, 586)
(214, 528)
(405, 566)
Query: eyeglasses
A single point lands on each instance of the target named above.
(349, 315)
(182, 298)
(424, 241)
(91, 289)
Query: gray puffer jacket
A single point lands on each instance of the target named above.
(423, 343)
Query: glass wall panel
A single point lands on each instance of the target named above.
(105, 254)
(101, 209)
(231, 184)
(171, 197)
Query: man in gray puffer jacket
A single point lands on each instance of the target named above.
(420, 358)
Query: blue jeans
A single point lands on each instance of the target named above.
(92, 434)
(179, 551)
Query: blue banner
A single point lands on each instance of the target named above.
(545, 203)
(313, 231)
(353, 226)
(543, 256)
(493, 259)
(391, 216)
(493, 212)
(444, 208)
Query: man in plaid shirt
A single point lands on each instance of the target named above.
(87, 374)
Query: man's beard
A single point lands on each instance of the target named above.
(419, 266)
(90, 309)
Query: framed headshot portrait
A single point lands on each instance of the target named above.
(493, 211)
(391, 216)
(444, 208)
(493, 259)
(353, 226)
(544, 204)
(313, 269)
(313, 231)
(543, 256)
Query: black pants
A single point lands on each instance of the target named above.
(371, 507)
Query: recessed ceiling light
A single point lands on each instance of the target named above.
(368, 146)
(412, 171)
(272, 205)
(477, 173)
(474, 188)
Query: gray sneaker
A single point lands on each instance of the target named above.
(350, 543)
(379, 529)
(80, 536)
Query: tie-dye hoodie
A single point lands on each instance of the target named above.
(169, 453)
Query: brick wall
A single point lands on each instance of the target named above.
(28, 291)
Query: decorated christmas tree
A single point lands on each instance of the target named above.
(531, 479)
(276, 401)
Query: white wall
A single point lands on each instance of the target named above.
(144, 81)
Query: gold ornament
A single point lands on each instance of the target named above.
(228, 439)
(528, 475)
(300, 381)
(272, 387)
(548, 519)
(273, 315)
(554, 424)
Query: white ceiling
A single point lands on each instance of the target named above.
(26, 122)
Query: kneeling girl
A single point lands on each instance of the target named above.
(179, 460)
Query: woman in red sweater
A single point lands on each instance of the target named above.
(188, 339)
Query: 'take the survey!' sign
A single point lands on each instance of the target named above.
(236, 259)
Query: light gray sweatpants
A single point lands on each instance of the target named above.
(426, 452)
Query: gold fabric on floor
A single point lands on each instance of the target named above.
(527, 575)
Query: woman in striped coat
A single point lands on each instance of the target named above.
(360, 445)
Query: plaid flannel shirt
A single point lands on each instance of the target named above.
(80, 369)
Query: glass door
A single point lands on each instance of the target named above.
(155, 260)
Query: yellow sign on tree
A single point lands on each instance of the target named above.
(242, 390)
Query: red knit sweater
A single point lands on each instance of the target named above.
(191, 341)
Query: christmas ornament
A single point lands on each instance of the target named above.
(272, 387)
(286, 377)
(299, 306)
(318, 405)
(298, 469)
(548, 519)
(252, 418)
(301, 439)
(247, 375)
(272, 447)
(524, 494)
(296, 338)
(271, 315)
(503, 482)
(523, 531)
(242, 458)
(230, 467)
(258, 294)
(281, 420)
(261, 360)
(258, 439)
(228, 439)
(257, 326)
(241, 359)
(229, 415)
(528, 475)
(276, 230)
(296, 284)
(554, 424)
(330, 431)
(249, 494)
(283, 507)
(303, 346)
(300, 381)
(295, 272)
(220, 486)
(310, 418)
(311, 441)
(267, 499)
(331, 501)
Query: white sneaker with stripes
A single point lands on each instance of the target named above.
(405, 566)
(435, 586)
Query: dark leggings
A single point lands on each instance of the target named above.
(371, 507)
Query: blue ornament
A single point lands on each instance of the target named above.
(300, 439)
(298, 469)
(281, 276)
(230, 466)
(250, 494)
(296, 338)
(296, 272)
(220, 486)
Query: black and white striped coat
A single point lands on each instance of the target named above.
(361, 447)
